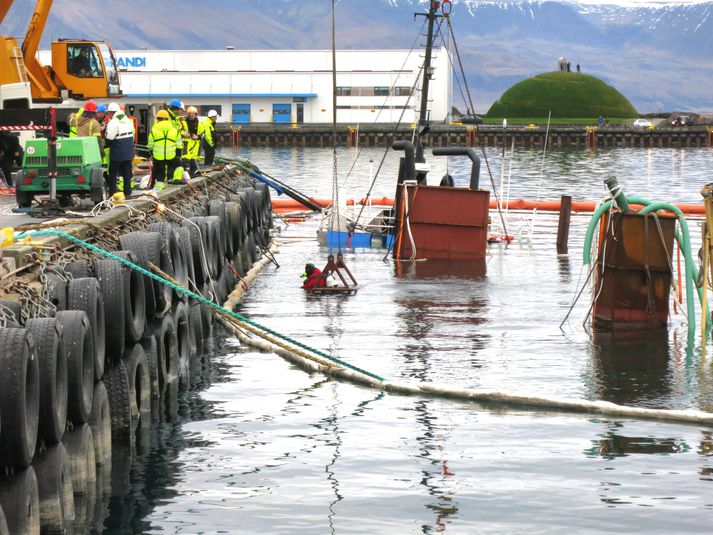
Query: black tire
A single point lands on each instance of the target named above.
(179, 256)
(19, 397)
(23, 198)
(79, 349)
(100, 422)
(196, 319)
(257, 202)
(246, 255)
(56, 492)
(79, 269)
(159, 255)
(20, 501)
(246, 203)
(164, 330)
(117, 387)
(56, 290)
(85, 294)
(221, 285)
(97, 194)
(80, 449)
(238, 263)
(135, 299)
(151, 351)
(133, 242)
(234, 227)
(214, 227)
(184, 241)
(112, 283)
(218, 208)
(182, 319)
(206, 311)
(137, 372)
(201, 246)
(230, 281)
(254, 251)
(52, 363)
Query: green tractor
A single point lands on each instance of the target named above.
(79, 170)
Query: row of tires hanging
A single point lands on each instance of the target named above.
(117, 343)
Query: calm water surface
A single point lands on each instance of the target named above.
(259, 446)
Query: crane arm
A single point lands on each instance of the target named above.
(36, 28)
(42, 85)
(4, 8)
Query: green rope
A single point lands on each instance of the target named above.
(197, 297)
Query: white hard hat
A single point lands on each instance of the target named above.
(113, 107)
(212, 113)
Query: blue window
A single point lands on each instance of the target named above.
(241, 113)
(281, 113)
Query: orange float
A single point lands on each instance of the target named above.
(284, 206)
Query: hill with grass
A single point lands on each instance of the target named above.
(565, 94)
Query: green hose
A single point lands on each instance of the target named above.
(684, 241)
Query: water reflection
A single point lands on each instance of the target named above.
(632, 368)
(435, 478)
(612, 445)
(440, 269)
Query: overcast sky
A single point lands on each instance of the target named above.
(616, 2)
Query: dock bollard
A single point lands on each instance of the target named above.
(563, 224)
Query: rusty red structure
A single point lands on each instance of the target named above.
(633, 273)
(440, 222)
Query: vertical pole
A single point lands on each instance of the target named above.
(427, 73)
(704, 270)
(52, 155)
(563, 225)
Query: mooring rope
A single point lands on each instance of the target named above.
(197, 297)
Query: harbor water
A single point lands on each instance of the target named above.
(260, 446)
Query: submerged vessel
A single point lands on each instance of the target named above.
(436, 221)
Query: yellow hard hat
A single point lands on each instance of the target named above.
(162, 114)
(192, 109)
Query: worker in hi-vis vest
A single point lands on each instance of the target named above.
(165, 144)
(195, 128)
(209, 139)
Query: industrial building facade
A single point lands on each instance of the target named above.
(286, 86)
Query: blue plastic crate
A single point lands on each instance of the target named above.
(341, 239)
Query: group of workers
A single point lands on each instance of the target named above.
(174, 142)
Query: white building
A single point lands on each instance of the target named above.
(286, 86)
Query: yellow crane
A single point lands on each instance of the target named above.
(80, 69)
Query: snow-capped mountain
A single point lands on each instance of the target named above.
(657, 53)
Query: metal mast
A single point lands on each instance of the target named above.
(423, 119)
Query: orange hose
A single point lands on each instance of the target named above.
(401, 228)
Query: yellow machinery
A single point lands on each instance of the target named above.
(80, 69)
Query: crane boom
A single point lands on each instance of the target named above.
(36, 28)
(42, 85)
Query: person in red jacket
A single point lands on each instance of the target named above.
(313, 278)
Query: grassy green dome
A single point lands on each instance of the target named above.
(566, 94)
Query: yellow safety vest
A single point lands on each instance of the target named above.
(193, 146)
(164, 140)
(73, 122)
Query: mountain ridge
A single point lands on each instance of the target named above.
(656, 54)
